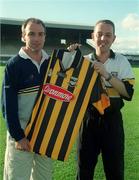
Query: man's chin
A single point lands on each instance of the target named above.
(35, 49)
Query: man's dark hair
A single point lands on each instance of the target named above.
(33, 20)
(106, 21)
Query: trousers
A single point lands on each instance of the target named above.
(101, 134)
(21, 165)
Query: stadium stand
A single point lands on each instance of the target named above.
(58, 36)
(133, 58)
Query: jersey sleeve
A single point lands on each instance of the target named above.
(127, 76)
(10, 103)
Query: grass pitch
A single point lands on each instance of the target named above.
(67, 170)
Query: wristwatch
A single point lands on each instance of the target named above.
(109, 77)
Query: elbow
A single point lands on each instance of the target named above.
(128, 95)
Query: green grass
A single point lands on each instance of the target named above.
(67, 170)
(2, 131)
(131, 124)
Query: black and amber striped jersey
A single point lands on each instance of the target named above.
(61, 104)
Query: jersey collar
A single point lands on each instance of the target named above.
(94, 56)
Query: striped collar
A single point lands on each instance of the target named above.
(94, 56)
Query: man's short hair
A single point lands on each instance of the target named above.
(106, 21)
(33, 20)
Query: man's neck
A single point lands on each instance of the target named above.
(35, 55)
(102, 56)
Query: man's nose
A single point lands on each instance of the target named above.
(103, 37)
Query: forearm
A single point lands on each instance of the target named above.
(116, 83)
(119, 86)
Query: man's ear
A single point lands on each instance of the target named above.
(92, 35)
(23, 38)
(114, 38)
